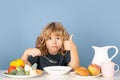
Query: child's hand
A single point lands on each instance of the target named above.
(69, 44)
(33, 52)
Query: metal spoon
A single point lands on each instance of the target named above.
(51, 61)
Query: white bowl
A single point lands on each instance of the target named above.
(57, 69)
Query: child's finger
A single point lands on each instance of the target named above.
(71, 36)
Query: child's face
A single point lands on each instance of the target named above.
(54, 44)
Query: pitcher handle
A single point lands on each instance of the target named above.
(116, 52)
(117, 67)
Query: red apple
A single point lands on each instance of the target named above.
(94, 69)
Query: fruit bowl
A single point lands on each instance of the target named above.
(57, 70)
(93, 70)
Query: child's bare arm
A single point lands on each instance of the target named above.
(70, 45)
(30, 52)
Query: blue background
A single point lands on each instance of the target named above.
(92, 22)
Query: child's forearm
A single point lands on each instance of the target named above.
(74, 63)
(24, 57)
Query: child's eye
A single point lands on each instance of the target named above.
(58, 37)
(50, 38)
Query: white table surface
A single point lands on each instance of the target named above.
(46, 76)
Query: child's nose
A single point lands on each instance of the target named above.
(54, 41)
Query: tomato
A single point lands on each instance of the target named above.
(11, 68)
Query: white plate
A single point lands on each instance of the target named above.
(57, 70)
(21, 76)
(78, 76)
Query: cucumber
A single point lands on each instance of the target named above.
(21, 72)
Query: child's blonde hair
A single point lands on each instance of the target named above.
(54, 27)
